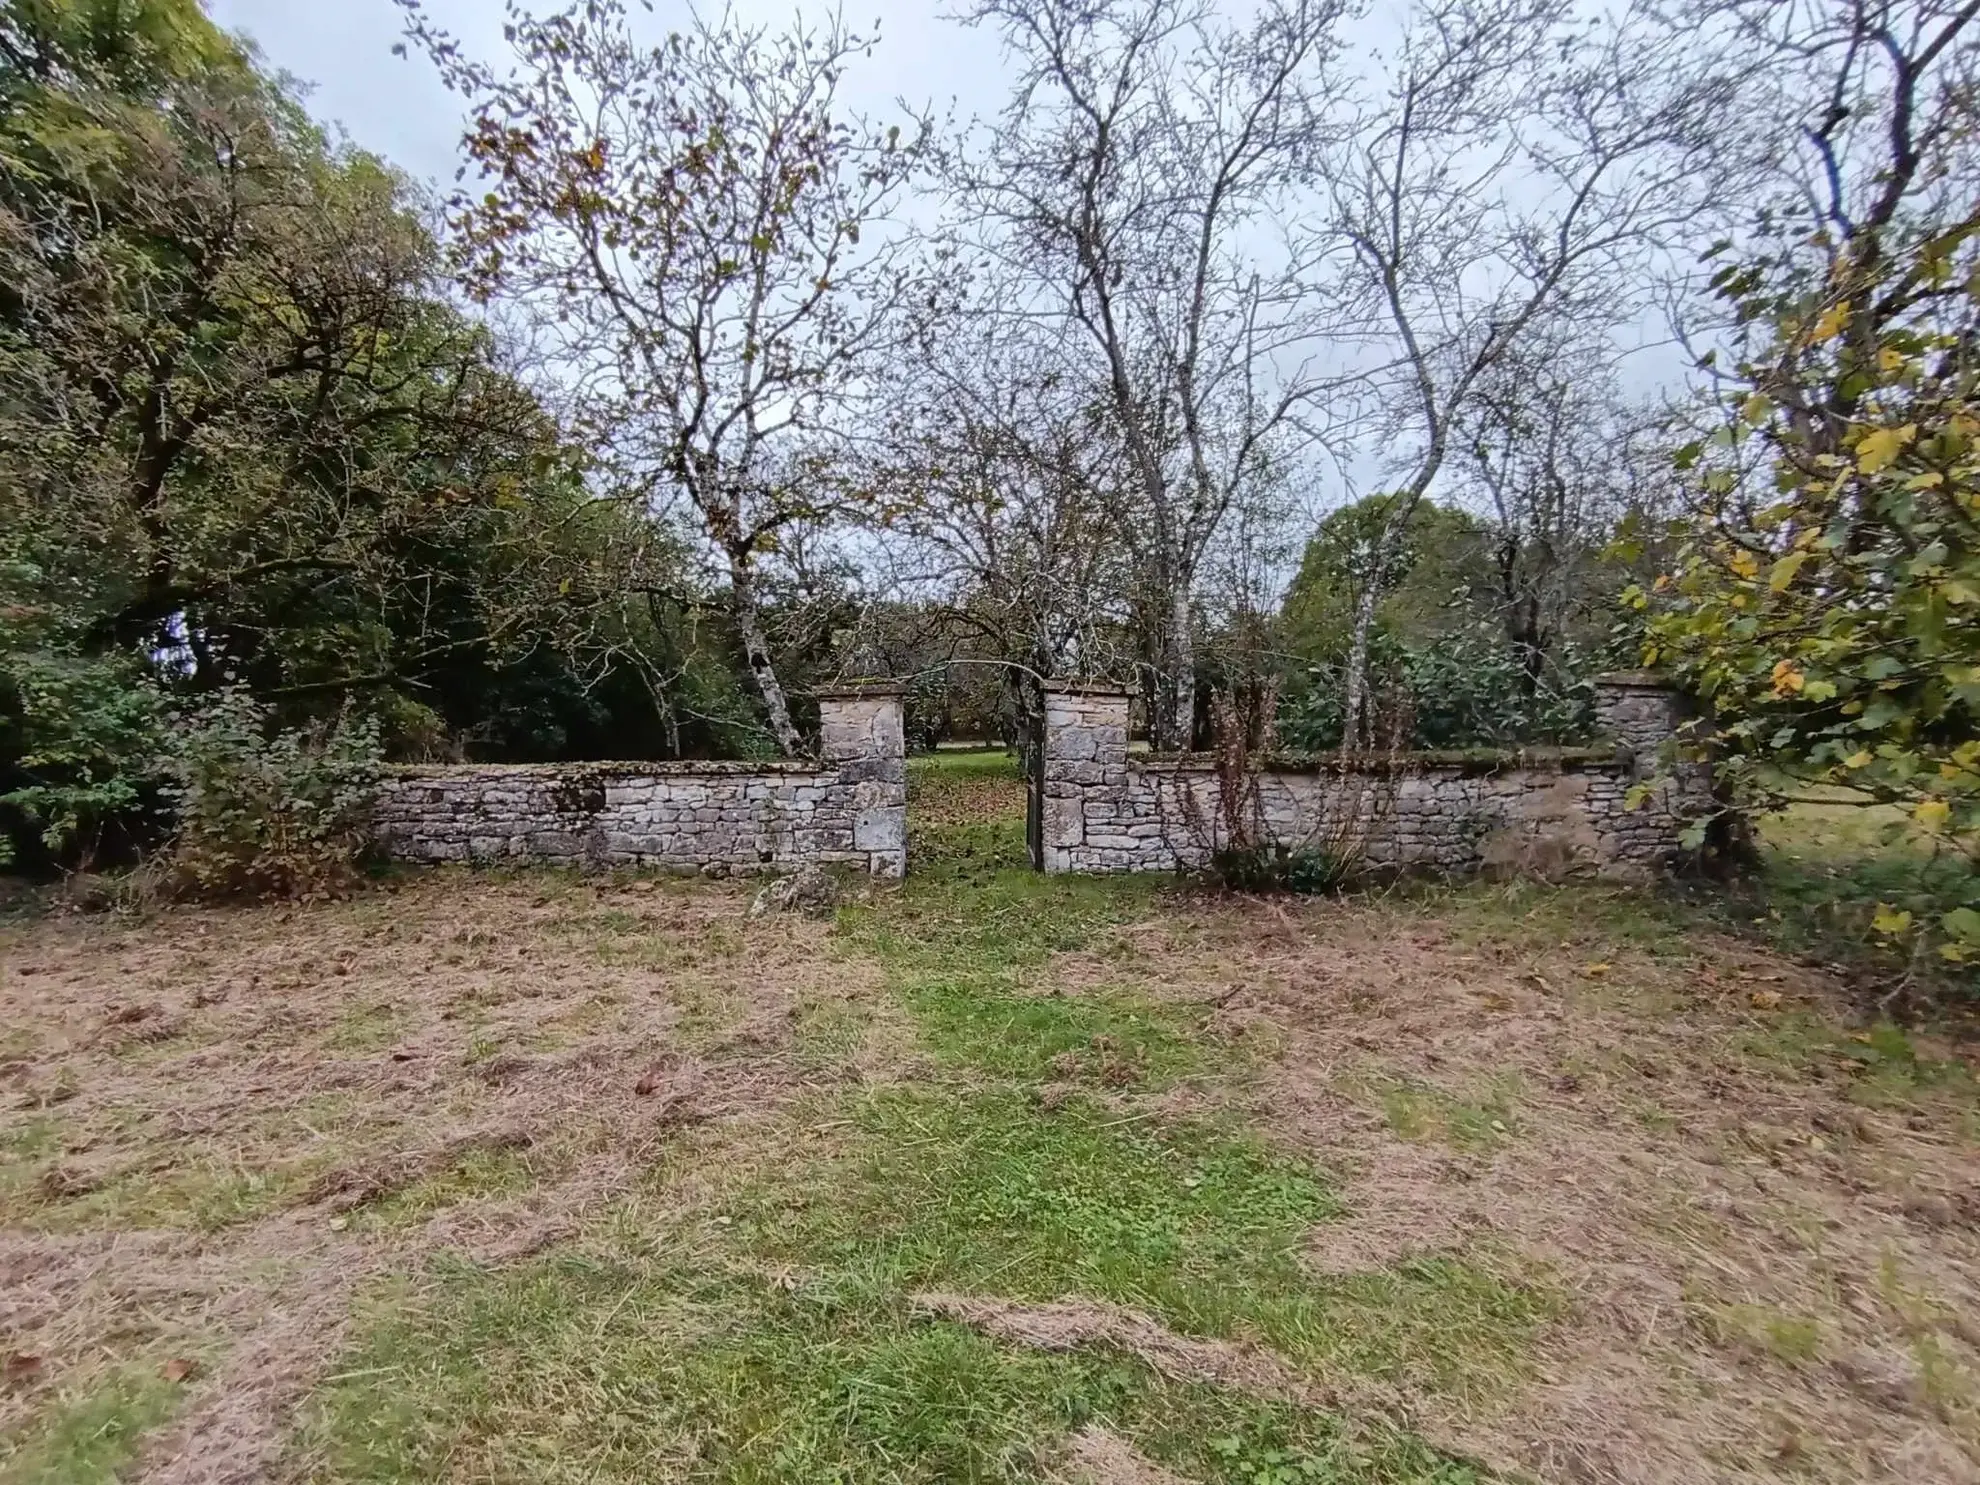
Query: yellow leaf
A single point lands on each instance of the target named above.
(1931, 479)
(1766, 1000)
(1890, 920)
(1931, 813)
(1877, 448)
(1745, 564)
(1597, 969)
(1785, 569)
(1890, 359)
(1861, 758)
(1788, 679)
(1834, 318)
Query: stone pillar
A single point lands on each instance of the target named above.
(1086, 737)
(861, 736)
(1641, 711)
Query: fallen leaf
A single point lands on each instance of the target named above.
(178, 1369)
(23, 1366)
(1766, 1000)
(1597, 969)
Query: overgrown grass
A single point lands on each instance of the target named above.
(633, 1365)
(765, 1329)
(88, 1436)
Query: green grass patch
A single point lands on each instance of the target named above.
(1793, 1340)
(366, 1027)
(1884, 1064)
(641, 1367)
(1417, 1111)
(988, 1192)
(201, 1193)
(88, 1436)
(477, 1175)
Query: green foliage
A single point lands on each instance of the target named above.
(1276, 867)
(1825, 601)
(1442, 559)
(1467, 689)
(249, 438)
(269, 812)
(79, 737)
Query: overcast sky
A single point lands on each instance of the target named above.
(395, 106)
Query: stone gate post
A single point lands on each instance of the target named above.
(1086, 738)
(1641, 711)
(861, 731)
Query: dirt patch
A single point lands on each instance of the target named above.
(1759, 1223)
(1094, 1456)
(216, 1125)
(937, 797)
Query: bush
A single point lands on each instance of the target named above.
(1466, 690)
(269, 812)
(79, 740)
(1307, 871)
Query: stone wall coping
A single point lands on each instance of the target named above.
(1056, 687)
(673, 768)
(1461, 761)
(855, 690)
(1636, 680)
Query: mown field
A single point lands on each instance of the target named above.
(987, 1177)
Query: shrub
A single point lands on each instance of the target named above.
(79, 739)
(1307, 871)
(1464, 690)
(269, 812)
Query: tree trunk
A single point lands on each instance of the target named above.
(1355, 702)
(756, 654)
(1182, 659)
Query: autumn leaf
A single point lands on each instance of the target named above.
(22, 1366)
(1765, 1000)
(178, 1369)
(1785, 569)
(1831, 324)
(1931, 813)
(1880, 446)
(1788, 679)
(1891, 921)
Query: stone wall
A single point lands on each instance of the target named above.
(1543, 811)
(849, 807)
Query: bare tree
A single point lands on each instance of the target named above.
(999, 475)
(1561, 461)
(1526, 163)
(694, 223)
(1132, 183)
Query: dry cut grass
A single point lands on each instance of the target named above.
(1767, 1225)
(997, 1177)
(219, 1125)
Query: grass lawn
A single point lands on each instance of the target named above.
(987, 1177)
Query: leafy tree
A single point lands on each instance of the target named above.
(1826, 604)
(1424, 590)
(244, 436)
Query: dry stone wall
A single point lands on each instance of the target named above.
(1542, 811)
(849, 807)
